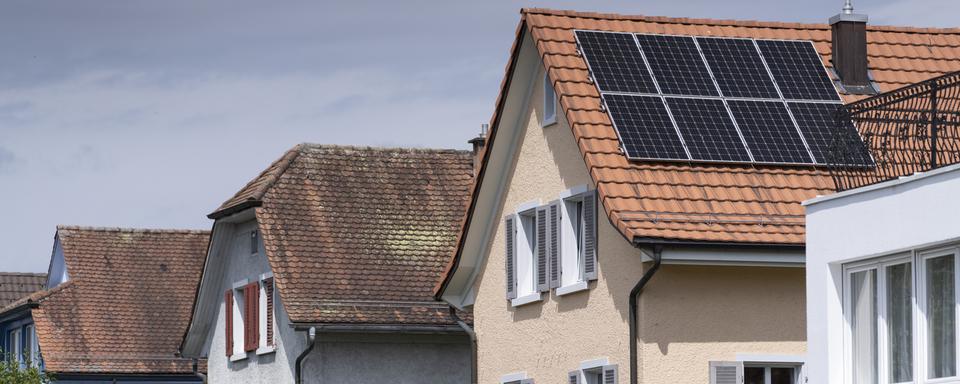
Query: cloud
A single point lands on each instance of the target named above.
(921, 13)
(6, 159)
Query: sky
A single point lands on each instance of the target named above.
(149, 114)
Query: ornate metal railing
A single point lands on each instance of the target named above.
(909, 130)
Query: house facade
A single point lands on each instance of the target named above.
(581, 265)
(113, 309)
(321, 270)
(881, 281)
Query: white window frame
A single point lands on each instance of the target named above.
(591, 371)
(262, 346)
(572, 278)
(525, 244)
(549, 102)
(15, 344)
(31, 336)
(239, 337)
(917, 260)
(516, 378)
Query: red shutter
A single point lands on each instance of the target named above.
(268, 292)
(251, 298)
(228, 312)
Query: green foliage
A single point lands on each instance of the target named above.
(11, 373)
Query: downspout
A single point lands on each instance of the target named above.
(311, 340)
(473, 344)
(634, 296)
(196, 371)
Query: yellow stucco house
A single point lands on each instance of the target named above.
(583, 263)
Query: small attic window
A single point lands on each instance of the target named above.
(549, 103)
(254, 242)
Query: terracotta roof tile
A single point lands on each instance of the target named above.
(127, 304)
(14, 286)
(755, 204)
(360, 235)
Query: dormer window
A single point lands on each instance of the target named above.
(549, 103)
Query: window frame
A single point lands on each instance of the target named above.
(916, 258)
(572, 240)
(525, 251)
(549, 102)
(14, 349)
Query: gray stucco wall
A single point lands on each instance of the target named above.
(273, 368)
(385, 358)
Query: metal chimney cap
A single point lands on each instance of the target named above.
(846, 14)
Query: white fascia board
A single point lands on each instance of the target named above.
(732, 256)
(886, 184)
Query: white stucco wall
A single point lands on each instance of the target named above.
(904, 214)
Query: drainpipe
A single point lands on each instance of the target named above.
(634, 295)
(196, 371)
(311, 340)
(473, 344)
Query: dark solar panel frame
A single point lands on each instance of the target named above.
(707, 129)
(737, 67)
(626, 72)
(677, 65)
(794, 77)
(654, 140)
(659, 138)
(818, 120)
(770, 132)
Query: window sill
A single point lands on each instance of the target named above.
(266, 350)
(548, 122)
(573, 288)
(238, 356)
(523, 300)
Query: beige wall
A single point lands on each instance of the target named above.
(689, 315)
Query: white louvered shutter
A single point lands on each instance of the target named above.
(543, 245)
(726, 372)
(554, 248)
(573, 377)
(590, 235)
(610, 374)
(510, 234)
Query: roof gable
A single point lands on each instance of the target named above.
(359, 235)
(127, 303)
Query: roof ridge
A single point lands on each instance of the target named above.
(271, 178)
(130, 230)
(383, 148)
(36, 274)
(725, 22)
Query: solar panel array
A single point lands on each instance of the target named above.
(685, 98)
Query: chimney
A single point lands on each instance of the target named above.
(850, 50)
(478, 143)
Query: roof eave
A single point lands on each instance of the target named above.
(654, 241)
(236, 208)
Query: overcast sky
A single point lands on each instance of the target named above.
(150, 113)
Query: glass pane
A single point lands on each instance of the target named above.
(863, 325)
(753, 375)
(900, 322)
(941, 329)
(781, 376)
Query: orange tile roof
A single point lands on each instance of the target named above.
(711, 203)
(359, 235)
(127, 304)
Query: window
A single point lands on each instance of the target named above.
(549, 102)
(31, 348)
(254, 242)
(577, 232)
(746, 372)
(516, 378)
(901, 313)
(594, 372)
(249, 318)
(14, 345)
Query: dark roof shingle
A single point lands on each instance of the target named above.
(360, 235)
(15, 285)
(127, 304)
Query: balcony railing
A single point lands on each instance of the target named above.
(906, 131)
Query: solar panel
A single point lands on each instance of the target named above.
(738, 68)
(644, 127)
(818, 125)
(707, 129)
(797, 69)
(769, 132)
(615, 62)
(677, 65)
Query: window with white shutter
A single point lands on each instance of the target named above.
(594, 372)
(577, 238)
(573, 377)
(510, 256)
(553, 235)
(610, 374)
(726, 372)
(542, 250)
(527, 264)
